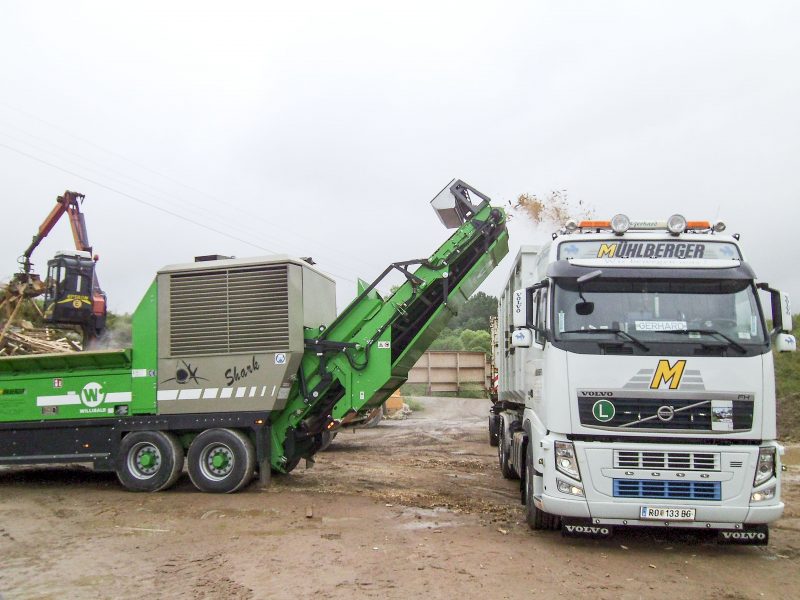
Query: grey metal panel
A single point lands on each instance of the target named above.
(319, 299)
(222, 311)
(257, 382)
(514, 364)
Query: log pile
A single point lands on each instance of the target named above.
(20, 341)
(19, 336)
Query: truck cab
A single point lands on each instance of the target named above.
(638, 386)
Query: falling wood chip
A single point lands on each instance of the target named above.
(309, 512)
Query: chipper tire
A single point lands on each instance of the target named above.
(149, 461)
(327, 438)
(221, 461)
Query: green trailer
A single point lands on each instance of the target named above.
(241, 366)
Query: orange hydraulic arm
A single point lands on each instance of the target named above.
(68, 203)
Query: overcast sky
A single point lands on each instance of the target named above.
(324, 128)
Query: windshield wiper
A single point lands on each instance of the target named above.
(619, 332)
(731, 342)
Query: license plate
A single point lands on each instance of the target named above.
(666, 513)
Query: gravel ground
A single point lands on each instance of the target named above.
(410, 508)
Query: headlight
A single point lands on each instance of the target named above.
(568, 488)
(566, 461)
(761, 495)
(765, 469)
(676, 224)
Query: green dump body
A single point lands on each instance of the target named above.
(49, 376)
(85, 385)
(366, 353)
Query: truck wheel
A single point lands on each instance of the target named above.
(149, 461)
(493, 441)
(503, 452)
(221, 461)
(537, 519)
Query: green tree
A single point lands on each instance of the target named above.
(448, 340)
(476, 341)
(475, 313)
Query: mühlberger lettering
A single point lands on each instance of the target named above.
(235, 373)
(653, 250)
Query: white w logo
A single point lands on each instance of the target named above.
(92, 394)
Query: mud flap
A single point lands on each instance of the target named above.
(584, 528)
(752, 536)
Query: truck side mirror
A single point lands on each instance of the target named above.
(781, 309)
(785, 342)
(521, 338)
(786, 312)
(522, 309)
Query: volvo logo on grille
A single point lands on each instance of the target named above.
(665, 413)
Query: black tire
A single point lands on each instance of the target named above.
(493, 441)
(149, 461)
(327, 438)
(537, 519)
(221, 461)
(376, 418)
(503, 454)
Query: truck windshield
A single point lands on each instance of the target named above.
(715, 312)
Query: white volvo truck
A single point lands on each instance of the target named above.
(636, 381)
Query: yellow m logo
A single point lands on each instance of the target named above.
(668, 374)
(607, 250)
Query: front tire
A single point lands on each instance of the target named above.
(149, 461)
(537, 519)
(221, 461)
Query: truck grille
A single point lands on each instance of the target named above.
(668, 490)
(642, 413)
(682, 461)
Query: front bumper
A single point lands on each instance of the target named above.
(599, 466)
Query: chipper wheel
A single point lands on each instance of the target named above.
(149, 461)
(221, 461)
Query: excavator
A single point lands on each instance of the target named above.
(72, 293)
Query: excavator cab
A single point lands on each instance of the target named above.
(71, 296)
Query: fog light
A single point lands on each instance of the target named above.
(761, 495)
(719, 226)
(571, 225)
(620, 224)
(676, 224)
(568, 488)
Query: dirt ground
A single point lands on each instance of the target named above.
(413, 508)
